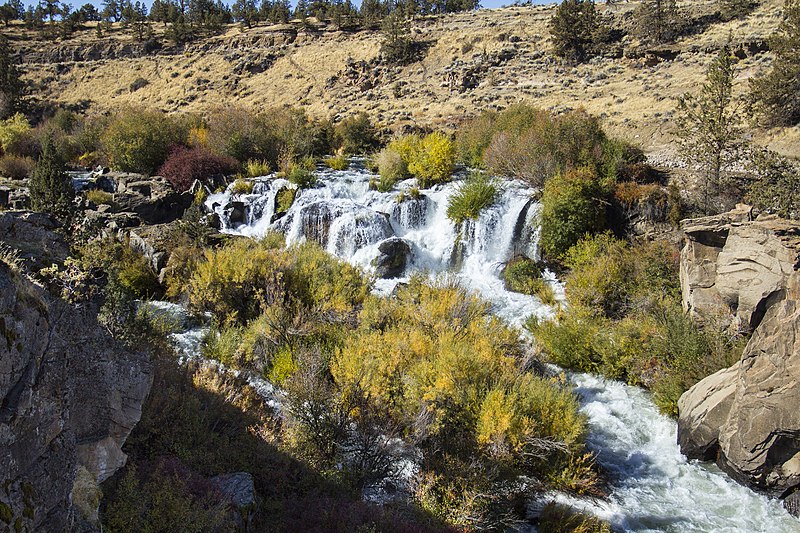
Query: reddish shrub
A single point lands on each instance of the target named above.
(185, 165)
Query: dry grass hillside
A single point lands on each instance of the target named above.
(478, 60)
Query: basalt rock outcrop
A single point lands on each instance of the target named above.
(746, 274)
(32, 238)
(69, 397)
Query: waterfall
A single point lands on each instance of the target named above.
(653, 487)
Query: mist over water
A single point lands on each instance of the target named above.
(654, 488)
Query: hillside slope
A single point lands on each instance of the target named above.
(475, 60)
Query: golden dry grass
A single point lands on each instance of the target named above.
(635, 99)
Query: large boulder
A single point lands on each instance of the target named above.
(746, 417)
(391, 263)
(703, 411)
(69, 397)
(760, 440)
(153, 200)
(733, 268)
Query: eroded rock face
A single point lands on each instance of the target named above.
(747, 417)
(33, 239)
(703, 410)
(760, 440)
(733, 268)
(69, 397)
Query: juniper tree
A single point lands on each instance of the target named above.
(777, 95)
(10, 84)
(657, 20)
(573, 29)
(709, 124)
(776, 184)
(50, 186)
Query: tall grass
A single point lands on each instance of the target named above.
(478, 192)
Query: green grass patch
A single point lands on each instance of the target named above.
(478, 192)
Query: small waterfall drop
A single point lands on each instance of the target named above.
(654, 488)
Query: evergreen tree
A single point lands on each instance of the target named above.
(89, 13)
(34, 17)
(51, 9)
(657, 20)
(50, 186)
(163, 11)
(777, 95)
(8, 13)
(710, 125)
(776, 186)
(398, 48)
(573, 29)
(245, 11)
(111, 11)
(301, 10)
(10, 83)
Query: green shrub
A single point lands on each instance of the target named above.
(433, 162)
(519, 273)
(430, 159)
(255, 168)
(168, 498)
(231, 280)
(572, 205)
(473, 137)
(222, 345)
(531, 144)
(284, 199)
(577, 474)
(402, 345)
(625, 321)
(16, 168)
(140, 140)
(302, 173)
(510, 417)
(775, 188)
(297, 133)
(337, 162)
(524, 275)
(356, 135)
(240, 134)
(391, 169)
(99, 197)
(241, 186)
(687, 355)
(283, 366)
(243, 278)
(475, 194)
(574, 341)
(12, 130)
(610, 277)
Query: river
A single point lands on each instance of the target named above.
(654, 488)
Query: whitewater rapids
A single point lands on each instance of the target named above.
(654, 488)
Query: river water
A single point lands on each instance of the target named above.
(654, 488)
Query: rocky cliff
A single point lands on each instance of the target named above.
(747, 273)
(69, 397)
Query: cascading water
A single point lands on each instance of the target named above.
(654, 488)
